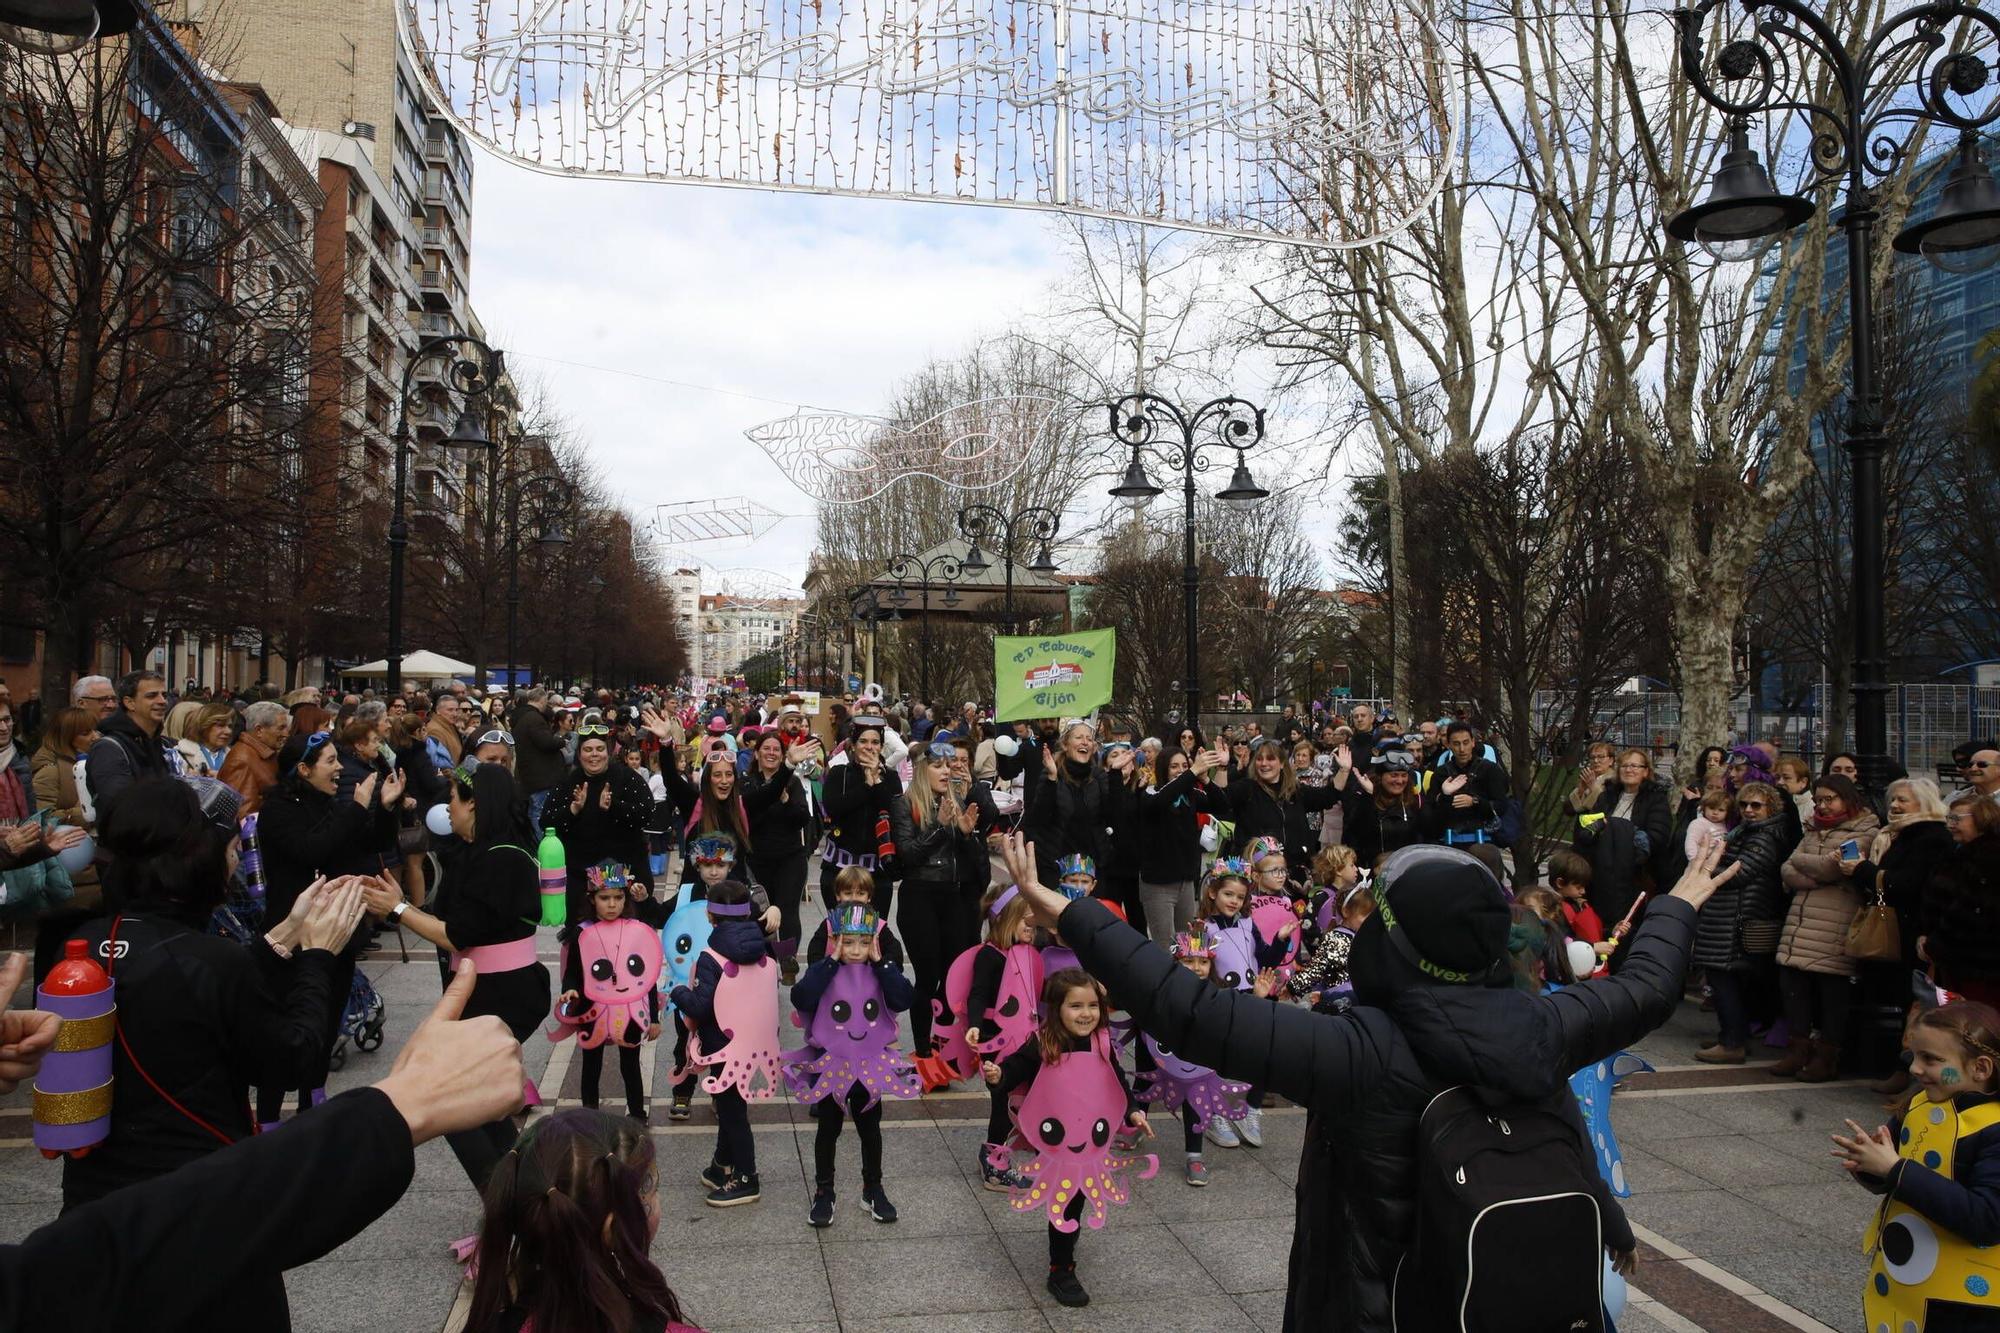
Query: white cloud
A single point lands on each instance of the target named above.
(796, 299)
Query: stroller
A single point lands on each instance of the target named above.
(360, 1021)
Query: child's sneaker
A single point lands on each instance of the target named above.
(715, 1175)
(1251, 1127)
(1065, 1288)
(878, 1205)
(738, 1189)
(821, 1213)
(1221, 1133)
(682, 1108)
(1197, 1171)
(1000, 1178)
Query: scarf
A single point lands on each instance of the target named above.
(1824, 822)
(447, 736)
(1879, 848)
(13, 799)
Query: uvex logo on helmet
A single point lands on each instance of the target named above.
(1055, 673)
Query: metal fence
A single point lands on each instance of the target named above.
(1925, 722)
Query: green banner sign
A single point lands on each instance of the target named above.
(1058, 675)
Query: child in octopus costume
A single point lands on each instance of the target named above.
(610, 977)
(1245, 960)
(1273, 905)
(996, 984)
(733, 1007)
(1195, 1091)
(684, 938)
(1076, 1098)
(848, 1002)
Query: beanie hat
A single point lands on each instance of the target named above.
(1441, 918)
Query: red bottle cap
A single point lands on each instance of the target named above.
(77, 974)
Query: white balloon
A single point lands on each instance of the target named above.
(1006, 746)
(1582, 959)
(438, 820)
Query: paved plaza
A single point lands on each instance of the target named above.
(1746, 1221)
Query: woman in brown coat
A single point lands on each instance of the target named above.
(1815, 975)
(69, 737)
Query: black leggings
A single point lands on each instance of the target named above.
(885, 889)
(735, 1147)
(271, 1101)
(1816, 1003)
(999, 1123)
(1190, 1136)
(937, 926)
(1062, 1244)
(479, 1150)
(628, 1069)
(784, 882)
(867, 1124)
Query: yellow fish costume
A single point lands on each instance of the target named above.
(1914, 1260)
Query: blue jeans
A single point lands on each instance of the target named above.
(536, 800)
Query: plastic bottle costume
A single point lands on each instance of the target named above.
(73, 1086)
(622, 963)
(1912, 1260)
(554, 879)
(851, 1037)
(1173, 1082)
(1068, 1118)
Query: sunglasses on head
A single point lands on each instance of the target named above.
(495, 737)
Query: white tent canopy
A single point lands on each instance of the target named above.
(421, 665)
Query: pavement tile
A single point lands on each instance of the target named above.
(1728, 1161)
(365, 1296)
(1647, 1173)
(1799, 1106)
(1836, 1207)
(925, 1206)
(1236, 1188)
(1239, 1254)
(720, 1286)
(983, 1321)
(1117, 1264)
(1646, 1119)
(1715, 1223)
(928, 1275)
(1825, 1282)
(1166, 1309)
(1266, 1309)
(419, 1227)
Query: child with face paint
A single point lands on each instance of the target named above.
(1939, 1179)
(1076, 1097)
(595, 976)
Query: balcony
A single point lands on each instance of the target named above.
(433, 238)
(436, 149)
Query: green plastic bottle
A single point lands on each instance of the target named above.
(555, 880)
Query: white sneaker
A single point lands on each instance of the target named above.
(1251, 1127)
(1220, 1133)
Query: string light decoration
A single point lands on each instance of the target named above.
(842, 458)
(1247, 118)
(686, 522)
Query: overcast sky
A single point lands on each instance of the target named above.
(767, 301)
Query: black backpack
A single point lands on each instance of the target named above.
(1509, 1236)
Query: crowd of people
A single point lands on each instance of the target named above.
(1328, 909)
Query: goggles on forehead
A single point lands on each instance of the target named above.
(495, 737)
(942, 751)
(317, 739)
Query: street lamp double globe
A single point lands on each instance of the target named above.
(1147, 423)
(1917, 66)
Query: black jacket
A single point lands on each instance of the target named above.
(852, 806)
(1367, 1075)
(538, 751)
(207, 1018)
(1961, 914)
(1169, 829)
(779, 828)
(187, 1257)
(1259, 813)
(1652, 816)
(1487, 784)
(1372, 832)
(1752, 894)
(121, 756)
(936, 856)
(1068, 816)
(594, 834)
(305, 833)
(1914, 856)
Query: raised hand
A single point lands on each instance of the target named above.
(604, 797)
(1450, 786)
(454, 1073)
(336, 912)
(364, 790)
(1700, 880)
(650, 719)
(576, 799)
(392, 787)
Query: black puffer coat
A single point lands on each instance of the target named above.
(1752, 894)
(1068, 816)
(1260, 813)
(1913, 857)
(1962, 915)
(1367, 1075)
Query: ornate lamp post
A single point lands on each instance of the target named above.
(947, 569)
(977, 523)
(475, 368)
(1181, 440)
(1911, 53)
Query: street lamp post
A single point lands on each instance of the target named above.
(1744, 214)
(947, 569)
(550, 495)
(977, 523)
(1181, 440)
(475, 368)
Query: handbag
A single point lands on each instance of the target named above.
(412, 840)
(1875, 934)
